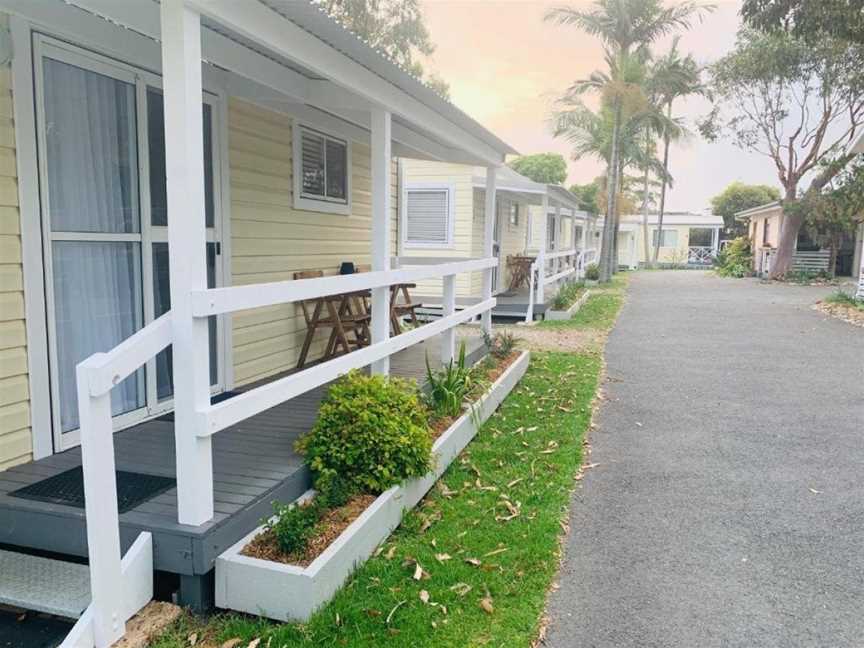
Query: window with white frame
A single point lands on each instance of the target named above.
(669, 238)
(514, 214)
(428, 216)
(321, 171)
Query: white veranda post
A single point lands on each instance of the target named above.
(557, 234)
(381, 162)
(184, 166)
(488, 233)
(541, 252)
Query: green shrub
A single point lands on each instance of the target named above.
(372, 431)
(333, 491)
(592, 272)
(842, 297)
(735, 260)
(806, 276)
(567, 295)
(500, 345)
(449, 386)
(293, 525)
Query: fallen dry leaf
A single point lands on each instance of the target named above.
(461, 589)
(473, 561)
(442, 557)
(232, 643)
(192, 638)
(495, 551)
(424, 596)
(390, 552)
(254, 643)
(486, 605)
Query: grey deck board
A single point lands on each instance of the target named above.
(254, 462)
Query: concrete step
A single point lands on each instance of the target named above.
(44, 584)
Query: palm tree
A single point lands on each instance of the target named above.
(623, 26)
(662, 77)
(673, 77)
(593, 134)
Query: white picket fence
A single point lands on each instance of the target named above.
(120, 587)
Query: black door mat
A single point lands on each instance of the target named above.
(31, 630)
(67, 488)
(218, 398)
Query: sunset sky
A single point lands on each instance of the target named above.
(506, 67)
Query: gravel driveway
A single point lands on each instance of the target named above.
(727, 506)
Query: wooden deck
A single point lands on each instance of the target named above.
(254, 463)
(510, 305)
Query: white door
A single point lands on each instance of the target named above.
(100, 133)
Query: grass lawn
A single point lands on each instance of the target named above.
(599, 311)
(484, 542)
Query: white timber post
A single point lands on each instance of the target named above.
(381, 161)
(541, 253)
(100, 504)
(448, 337)
(184, 166)
(488, 233)
(715, 239)
(556, 264)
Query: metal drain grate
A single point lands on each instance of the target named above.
(67, 488)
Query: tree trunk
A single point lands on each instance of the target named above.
(663, 187)
(619, 192)
(782, 261)
(608, 243)
(792, 222)
(645, 179)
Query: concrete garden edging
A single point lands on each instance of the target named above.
(291, 593)
(555, 315)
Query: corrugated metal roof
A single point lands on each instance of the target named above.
(316, 21)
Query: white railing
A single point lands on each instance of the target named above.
(216, 301)
(119, 587)
(574, 264)
(566, 259)
(700, 255)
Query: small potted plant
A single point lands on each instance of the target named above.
(592, 274)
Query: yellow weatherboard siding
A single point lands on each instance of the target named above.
(460, 176)
(15, 435)
(270, 240)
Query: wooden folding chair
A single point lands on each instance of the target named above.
(340, 318)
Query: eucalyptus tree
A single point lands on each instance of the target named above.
(623, 26)
(799, 104)
(396, 27)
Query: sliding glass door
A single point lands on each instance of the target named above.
(102, 177)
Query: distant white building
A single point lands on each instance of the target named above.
(686, 239)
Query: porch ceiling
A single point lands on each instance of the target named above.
(290, 55)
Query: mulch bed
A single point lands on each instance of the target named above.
(329, 527)
(843, 312)
(335, 521)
